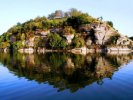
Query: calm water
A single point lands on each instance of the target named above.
(60, 76)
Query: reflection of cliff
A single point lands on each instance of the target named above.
(64, 71)
(104, 68)
(119, 60)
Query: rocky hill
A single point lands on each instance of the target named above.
(70, 30)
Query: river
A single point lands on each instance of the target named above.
(66, 76)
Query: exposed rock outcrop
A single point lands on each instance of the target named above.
(123, 40)
(103, 33)
(69, 37)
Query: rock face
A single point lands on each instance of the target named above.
(89, 42)
(103, 33)
(104, 68)
(30, 42)
(42, 32)
(13, 38)
(69, 37)
(123, 40)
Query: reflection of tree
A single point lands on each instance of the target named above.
(64, 70)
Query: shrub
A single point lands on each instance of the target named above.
(110, 23)
(113, 40)
(78, 42)
(4, 45)
(56, 41)
(18, 45)
(68, 30)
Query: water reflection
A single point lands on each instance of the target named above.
(64, 70)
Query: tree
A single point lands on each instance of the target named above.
(18, 24)
(1, 39)
(4, 45)
(63, 44)
(110, 23)
(18, 45)
(77, 21)
(74, 12)
(56, 42)
(5, 37)
(66, 14)
(51, 16)
(68, 30)
(23, 37)
(131, 38)
(78, 42)
(39, 42)
(113, 40)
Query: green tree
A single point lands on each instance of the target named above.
(40, 42)
(131, 38)
(2, 38)
(78, 42)
(68, 30)
(18, 45)
(56, 42)
(110, 23)
(4, 45)
(113, 40)
(63, 44)
(22, 36)
(77, 21)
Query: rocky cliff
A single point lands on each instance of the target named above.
(107, 36)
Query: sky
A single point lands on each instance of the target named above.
(120, 12)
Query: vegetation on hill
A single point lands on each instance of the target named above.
(60, 30)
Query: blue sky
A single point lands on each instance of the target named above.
(118, 11)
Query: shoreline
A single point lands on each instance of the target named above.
(83, 50)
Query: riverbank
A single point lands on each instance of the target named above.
(83, 50)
